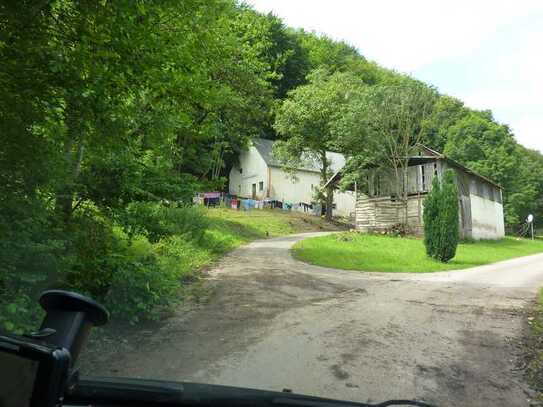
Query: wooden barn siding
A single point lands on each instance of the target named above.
(378, 214)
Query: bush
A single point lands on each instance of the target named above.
(441, 233)
(93, 245)
(141, 288)
(157, 221)
(148, 278)
(19, 312)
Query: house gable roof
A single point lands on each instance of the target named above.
(265, 149)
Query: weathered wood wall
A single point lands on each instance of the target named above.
(380, 213)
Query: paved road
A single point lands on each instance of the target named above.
(272, 322)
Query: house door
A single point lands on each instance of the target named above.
(254, 191)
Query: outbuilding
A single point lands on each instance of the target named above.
(379, 209)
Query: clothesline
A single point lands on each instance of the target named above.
(232, 201)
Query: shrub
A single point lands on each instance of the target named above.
(187, 221)
(141, 288)
(19, 312)
(441, 233)
(157, 221)
(148, 278)
(181, 257)
(93, 245)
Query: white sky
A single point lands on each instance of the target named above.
(487, 53)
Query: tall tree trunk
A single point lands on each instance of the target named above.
(74, 150)
(329, 193)
(405, 195)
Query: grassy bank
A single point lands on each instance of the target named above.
(355, 251)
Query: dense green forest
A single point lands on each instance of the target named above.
(113, 114)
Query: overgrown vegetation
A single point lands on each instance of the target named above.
(441, 218)
(366, 252)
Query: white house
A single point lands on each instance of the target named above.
(260, 176)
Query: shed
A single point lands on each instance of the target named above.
(480, 199)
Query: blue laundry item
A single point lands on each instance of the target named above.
(248, 204)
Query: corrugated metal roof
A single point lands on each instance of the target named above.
(265, 148)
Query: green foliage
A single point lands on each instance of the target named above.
(19, 312)
(441, 233)
(381, 128)
(158, 221)
(140, 287)
(92, 245)
(305, 120)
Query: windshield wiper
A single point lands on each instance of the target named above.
(157, 393)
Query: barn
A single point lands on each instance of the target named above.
(259, 175)
(480, 199)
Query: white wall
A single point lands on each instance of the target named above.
(345, 203)
(285, 189)
(254, 170)
(487, 218)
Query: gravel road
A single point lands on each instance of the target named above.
(271, 322)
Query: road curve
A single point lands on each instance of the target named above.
(272, 322)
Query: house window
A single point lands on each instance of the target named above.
(241, 170)
(261, 186)
(239, 189)
(435, 169)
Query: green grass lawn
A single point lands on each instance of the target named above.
(356, 251)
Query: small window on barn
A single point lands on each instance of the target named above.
(241, 170)
(480, 189)
(473, 186)
(493, 193)
(435, 169)
(261, 186)
(499, 195)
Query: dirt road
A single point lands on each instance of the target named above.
(272, 322)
